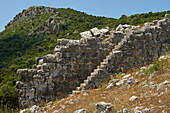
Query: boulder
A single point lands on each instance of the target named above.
(22, 71)
(19, 84)
(37, 60)
(63, 41)
(162, 85)
(167, 16)
(95, 32)
(23, 111)
(119, 27)
(120, 83)
(126, 26)
(131, 80)
(125, 110)
(49, 58)
(103, 107)
(104, 31)
(35, 109)
(133, 98)
(80, 111)
(86, 34)
(126, 76)
(40, 62)
(110, 86)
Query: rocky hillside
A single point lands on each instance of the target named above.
(34, 32)
(145, 90)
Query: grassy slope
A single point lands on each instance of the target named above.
(27, 37)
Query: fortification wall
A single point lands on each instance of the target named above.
(139, 47)
(56, 75)
(96, 55)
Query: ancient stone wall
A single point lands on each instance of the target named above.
(96, 55)
(139, 47)
(56, 75)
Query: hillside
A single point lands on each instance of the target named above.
(34, 32)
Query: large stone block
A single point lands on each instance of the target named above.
(95, 32)
(49, 58)
(62, 41)
(86, 34)
(103, 107)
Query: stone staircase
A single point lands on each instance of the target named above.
(100, 75)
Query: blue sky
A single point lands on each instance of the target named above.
(107, 8)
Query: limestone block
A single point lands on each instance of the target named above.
(35, 109)
(39, 67)
(22, 73)
(40, 72)
(32, 71)
(103, 107)
(104, 31)
(86, 34)
(74, 43)
(19, 84)
(40, 62)
(49, 58)
(38, 77)
(60, 48)
(63, 41)
(70, 77)
(80, 111)
(91, 40)
(167, 16)
(51, 66)
(117, 34)
(95, 31)
(74, 84)
(57, 77)
(119, 27)
(37, 60)
(34, 66)
(58, 56)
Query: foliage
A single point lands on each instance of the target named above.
(34, 32)
(158, 65)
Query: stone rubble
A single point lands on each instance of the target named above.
(80, 111)
(133, 98)
(103, 107)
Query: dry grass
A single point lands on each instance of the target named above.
(119, 97)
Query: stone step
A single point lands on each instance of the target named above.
(95, 70)
(104, 66)
(78, 88)
(103, 63)
(101, 67)
(108, 57)
(82, 85)
(89, 77)
(105, 60)
(86, 81)
(93, 74)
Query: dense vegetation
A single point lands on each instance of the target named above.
(34, 32)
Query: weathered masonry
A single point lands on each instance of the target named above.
(88, 62)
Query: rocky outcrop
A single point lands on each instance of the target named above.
(94, 57)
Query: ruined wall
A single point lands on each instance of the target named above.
(97, 54)
(56, 75)
(139, 47)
